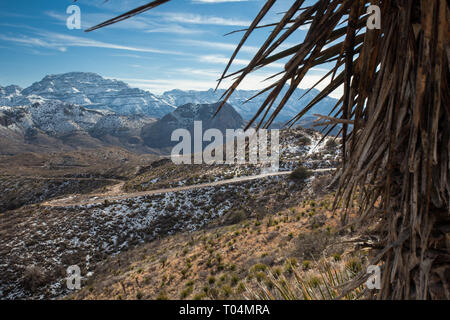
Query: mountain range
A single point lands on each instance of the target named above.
(247, 109)
(78, 109)
(92, 91)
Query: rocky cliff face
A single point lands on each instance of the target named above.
(158, 134)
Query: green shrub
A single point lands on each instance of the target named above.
(211, 280)
(234, 280)
(241, 287)
(314, 282)
(306, 264)
(162, 296)
(190, 283)
(227, 291)
(354, 265)
(186, 293)
(223, 278)
(199, 296)
(258, 267)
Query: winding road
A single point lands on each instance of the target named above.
(115, 191)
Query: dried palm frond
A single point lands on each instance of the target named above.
(395, 115)
(128, 14)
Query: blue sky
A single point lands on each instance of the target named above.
(180, 44)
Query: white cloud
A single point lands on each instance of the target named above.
(199, 19)
(61, 42)
(138, 23)
(219, 45)
(205, 79)
(219, 59)
(174, 28)
(209, 73)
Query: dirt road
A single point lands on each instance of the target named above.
(114, 192)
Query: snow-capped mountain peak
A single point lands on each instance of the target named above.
(90, 90)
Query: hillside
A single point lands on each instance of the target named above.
(85, 218)
(238, 261)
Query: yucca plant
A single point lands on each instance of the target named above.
(393, 116)
(326, 282)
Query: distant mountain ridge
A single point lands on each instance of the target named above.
(248, 109)
(92, 91)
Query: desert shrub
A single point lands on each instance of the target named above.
(227, 291)
(314, 282)
(258, 267)
(241, 287)
(304, 141)
(211, 280)
(306, 264)
(235, 217)
(234, 280)
(354, 265)
(337, 257)
(190, 283)
(162, 296)
(33, 278)
(199, 296)
(186, 292)
(300, 174)
(311, 245)
(289, 265)
(223, 278)
(260, 276)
